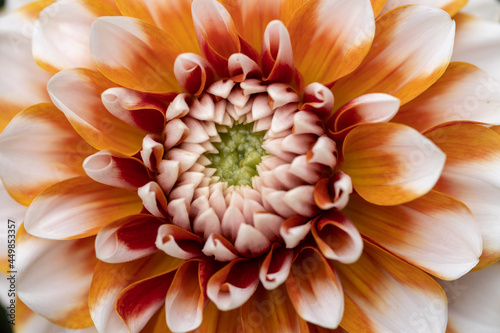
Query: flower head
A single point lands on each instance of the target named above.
(250, 165)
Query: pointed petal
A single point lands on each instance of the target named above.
(390, 164)
(234, 284)
(473, 301)
(471, 176)
(127, 239)
(139, 301)
(220, 248)
(477, 42)
(78, 207)
(270, 311)
(337, 237)
(38, 149)
(420, 229)
(408, 55)
(173, 17)
(464, 92)
(117, 170)
(331, 38)
(23, 82)
(109, 281)
(314, 289)
(62, 41)
(185, 299)
(74, 261)
(385, 294)
(250, 242)
(294, 230)
(77, 93)
(139, 56)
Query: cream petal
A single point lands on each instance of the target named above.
(301, 200)
(242, 68)
(153, 199)
(78, 207)
(318, 99)
(281, 94)
(178, 242)
(333, 192)
(450, 6)
(178, 211)
(193, 73)
(277, 54)
(275, 267)
(250, 242)
(294, 229)
(152, 152)
(220, 248)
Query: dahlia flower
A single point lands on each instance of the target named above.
(247, 165)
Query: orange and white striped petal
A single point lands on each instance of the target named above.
(464, 92)
(129, 238)
(173, 17)
(110, 280)
(391, 164)
(473, 301)
(385, 294)
(331, 38)
(411, 50)
(77, 93)
(471, 175)
(61, 34)
(38, 149)
(315, 290)
(139, 55)
(77, 208)
(270, 311)
(436, 232)
(477, 42)
(22, 82)
(450, 6)
(73, 260)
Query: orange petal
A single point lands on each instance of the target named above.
(270, 311)
(411, 50)
(477, 42)
(23, 82)
(331, 38)
(61, 35)
(173, 17)
(215, 320)
(471, 175)
(78, 207)
(141, 300)
(38, 149)
(436, 232)
(390, 164)
(134, 54)
(127, 239)
(77, 93)
(450, 6)
(314, 289)
(464, 92)
(377, 6)
(385, 294)
(110, 279)
(74, 261)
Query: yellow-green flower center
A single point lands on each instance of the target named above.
(240, 151)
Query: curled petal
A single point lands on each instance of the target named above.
(250, 242)
(127, 239)
(77, 93)
(242, 67)
(407, 56)
(295, 229)
(337, 238)
(276, 267)
(153, 199)
(176, 131)
(229, 290)
(152, 152)
(331, 38)
(281, 94)
(390, 164)
(78, 207)
(110, 168)
(333, 192)
(277, 54)
(324, 151)
(315, 290)
(179, 107)
(140, 56)
(138, 109)
(220, 248)
(318, 99)
(178, 242)
(193, 73)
